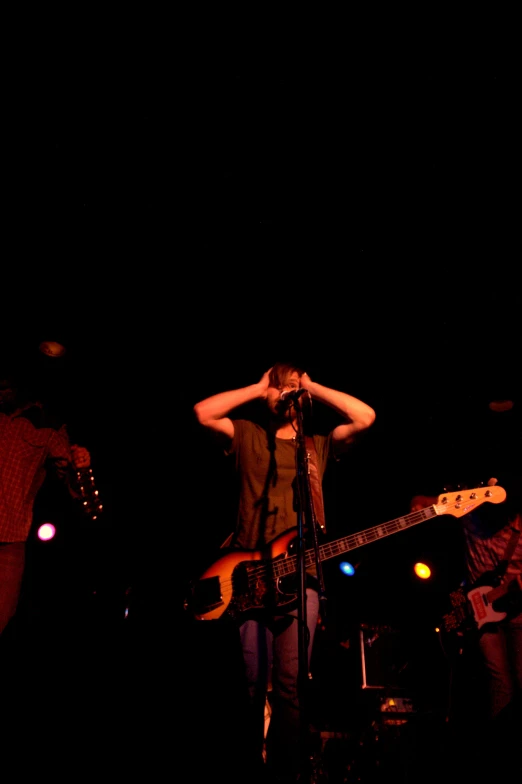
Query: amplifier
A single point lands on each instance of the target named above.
(383, 658)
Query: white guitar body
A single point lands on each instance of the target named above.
(481, 600)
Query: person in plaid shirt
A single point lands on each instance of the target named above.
(32, 443)
(492, 548)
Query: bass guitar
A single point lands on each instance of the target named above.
(245, 580)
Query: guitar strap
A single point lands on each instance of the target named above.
(316, 500)
(512, 543)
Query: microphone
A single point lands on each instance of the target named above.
(292, 394)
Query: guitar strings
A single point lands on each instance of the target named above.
(275, 568)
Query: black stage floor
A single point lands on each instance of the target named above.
(163, 698)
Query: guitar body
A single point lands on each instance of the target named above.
(484, 604)
(245, 579)
(481, 601)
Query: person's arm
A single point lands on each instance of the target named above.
(358, 416)
(67, 458)
(213, 412)
(71, 464)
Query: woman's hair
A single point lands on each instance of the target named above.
(280, 372)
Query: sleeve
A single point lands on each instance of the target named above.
(61, 460)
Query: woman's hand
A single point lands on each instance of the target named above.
(264, 383)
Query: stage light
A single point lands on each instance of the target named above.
(46, 532)
(422, 570)
(347, 568)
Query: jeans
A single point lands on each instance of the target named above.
(271, 655)
(501, 650)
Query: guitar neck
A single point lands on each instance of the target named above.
(508, 586)
(455, 504)
(353, 541)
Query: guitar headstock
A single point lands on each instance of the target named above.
(90, 497)
(463, 502)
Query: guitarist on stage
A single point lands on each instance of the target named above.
(33, 445)
(264, 455)
(493, 558)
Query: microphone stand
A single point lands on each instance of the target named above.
(305, 517)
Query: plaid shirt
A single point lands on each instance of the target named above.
(487, 543)
(28, 448)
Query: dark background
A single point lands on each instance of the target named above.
(188, 204)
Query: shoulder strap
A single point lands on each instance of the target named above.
(316, 488)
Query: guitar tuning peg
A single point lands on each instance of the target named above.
(89, 493)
